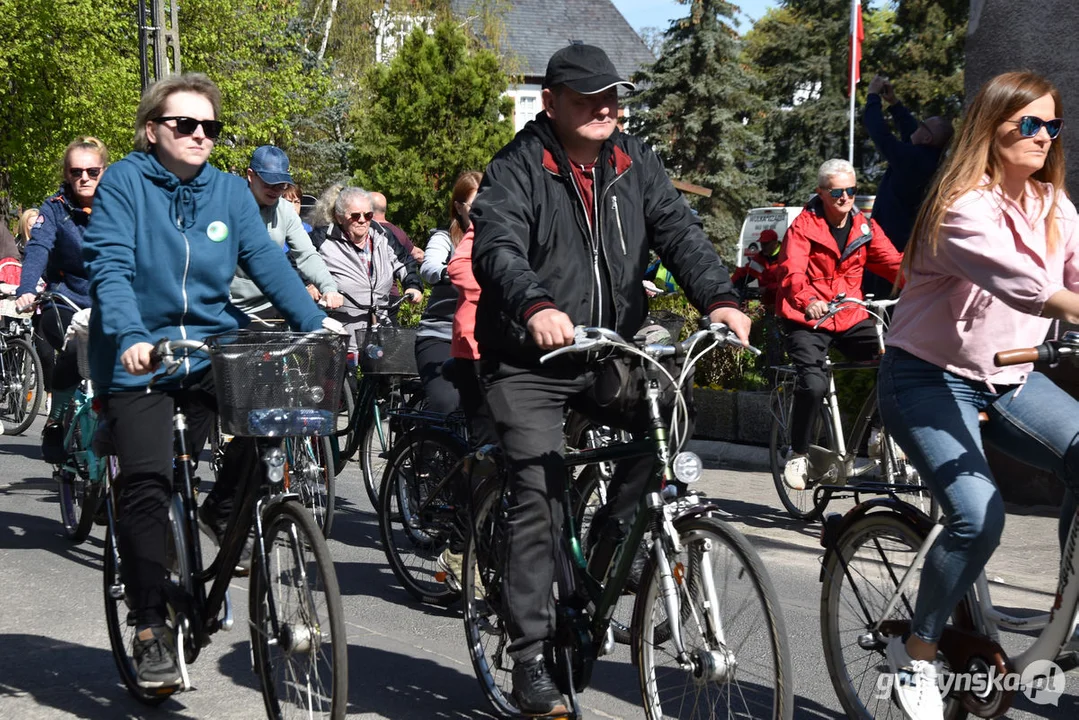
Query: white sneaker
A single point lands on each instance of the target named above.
(916, 684)
(796, 471)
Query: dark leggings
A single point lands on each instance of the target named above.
(140, 426)
(442, 396)
(52, 324)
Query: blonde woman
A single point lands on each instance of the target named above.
(993, 259)
(26, 224)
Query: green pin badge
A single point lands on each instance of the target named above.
(217, 231)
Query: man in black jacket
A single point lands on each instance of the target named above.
(565, 218)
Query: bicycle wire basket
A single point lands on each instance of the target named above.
(387, 350)
(272, 384)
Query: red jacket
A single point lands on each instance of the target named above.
(811, 268)
(765, 272)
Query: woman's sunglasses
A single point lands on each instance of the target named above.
(358, 216)
(838, 192)
(188, 126)
(1029, 126)
(76, 173)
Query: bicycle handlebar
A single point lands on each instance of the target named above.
(591, 338)
(165, 349)
(841, 300)
(1050, 352)
(45, 296)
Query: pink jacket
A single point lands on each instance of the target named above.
(468, 295)
(984, 289)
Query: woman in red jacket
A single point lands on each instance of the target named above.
(825, 253)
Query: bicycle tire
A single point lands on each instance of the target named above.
(757, 637)
(79, 498)
(806, 505)
(481, 589)
(291, 536)
(122, 630)
(901, 469)
(311, 476)
(346, 442)
(843, 619)
(22, 383)
(413, 542)
(375, 447)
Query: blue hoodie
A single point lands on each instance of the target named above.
(161, 253)
(55, 250)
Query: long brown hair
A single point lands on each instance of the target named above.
(974, 154)
(467, 183)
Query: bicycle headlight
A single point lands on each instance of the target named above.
(687, 467)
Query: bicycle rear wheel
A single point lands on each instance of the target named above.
(302, 665)
(876, 551)
(311, 476)
(805, 504)
(485, 630)
(345, 419)
(731, 625)
(380, 437)
(80, 498)
(21, 382)
(413, 538)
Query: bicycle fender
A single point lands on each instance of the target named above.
(835, 525)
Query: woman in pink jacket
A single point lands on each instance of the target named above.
(994, 258)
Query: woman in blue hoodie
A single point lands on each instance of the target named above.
(167, 235)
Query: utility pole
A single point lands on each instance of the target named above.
(159, 40)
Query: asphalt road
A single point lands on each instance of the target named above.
(405, 660)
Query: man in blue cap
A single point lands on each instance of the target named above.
(268, 177)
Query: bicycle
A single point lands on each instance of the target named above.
(21, 375)
(389, 380)
(268, 385)
(872, 560)
(834, 468)
(698, 642)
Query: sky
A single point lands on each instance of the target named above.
(659, 13)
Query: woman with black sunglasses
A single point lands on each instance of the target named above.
(168, 233)
(993, 260)
(54, 253)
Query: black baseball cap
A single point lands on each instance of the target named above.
(583, 68)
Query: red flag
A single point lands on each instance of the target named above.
(857, 35)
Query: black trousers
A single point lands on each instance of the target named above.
(442, 396)
(527, 406)
(808, 349)
(140, 424)
(64, 372)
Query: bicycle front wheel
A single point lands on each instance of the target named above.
(21, 383)
(861, 574)
(297, 624)
(731, 626)
(80, 498)
(805, 504)
(311, 476)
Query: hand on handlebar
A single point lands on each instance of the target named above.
(735, 319)
(816, 310)
(137, 359)
(25, 301)
(414, 296)
(332, 300)
(551, 329)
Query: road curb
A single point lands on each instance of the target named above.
(731, 456)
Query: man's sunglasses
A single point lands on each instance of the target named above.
(188, 126)
(838, 192)
(93, 172)
(357, 216)
(1029, 126)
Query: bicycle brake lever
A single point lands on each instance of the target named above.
(581, 342)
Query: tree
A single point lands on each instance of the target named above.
(435, 110)
(699, 106)
(64, 73)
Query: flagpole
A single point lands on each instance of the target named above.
(853, 70)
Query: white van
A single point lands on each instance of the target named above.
(761, 219)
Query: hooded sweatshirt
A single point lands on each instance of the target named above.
(160, 254)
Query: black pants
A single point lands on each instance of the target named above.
(466, 378)
(64, 372)
(442, 396)
(808, 349)
(140, 425)
(527, 407)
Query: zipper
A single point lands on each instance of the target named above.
(618, 219)
(597, 283)
(183, 292)
(599, 203)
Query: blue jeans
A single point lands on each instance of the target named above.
(933, 415)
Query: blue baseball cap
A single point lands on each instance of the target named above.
(271, 164)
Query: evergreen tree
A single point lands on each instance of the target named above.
(433, 111)
(699, 106)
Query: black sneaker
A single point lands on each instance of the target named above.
(52, 443)
(534, 691)
(155, 661)
(214, 523)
